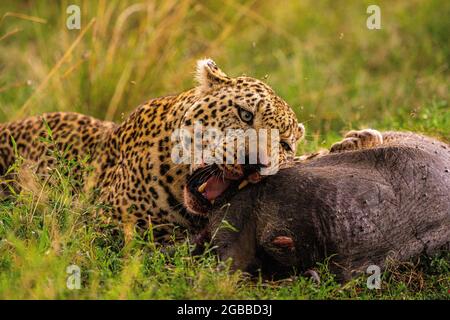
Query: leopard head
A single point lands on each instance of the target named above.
(240, 130)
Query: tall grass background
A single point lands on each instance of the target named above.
(318, 55)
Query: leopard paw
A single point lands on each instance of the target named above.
(356, 140)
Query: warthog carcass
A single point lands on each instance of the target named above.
(357, 207)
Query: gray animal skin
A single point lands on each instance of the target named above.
(357, 207)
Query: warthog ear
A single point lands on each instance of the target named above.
(283, 242)
(208, 75)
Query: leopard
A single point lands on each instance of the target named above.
(136, 178)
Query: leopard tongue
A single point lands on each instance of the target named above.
(214, 187)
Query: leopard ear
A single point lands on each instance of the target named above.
(208, 75)
(301, 130)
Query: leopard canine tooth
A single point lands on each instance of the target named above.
(243, 184)
(202, 188)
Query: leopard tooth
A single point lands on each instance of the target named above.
(202, 188)
(213, 201)
(243, 184)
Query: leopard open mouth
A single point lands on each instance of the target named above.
(210, 183)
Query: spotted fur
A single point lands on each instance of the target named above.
(132, 168)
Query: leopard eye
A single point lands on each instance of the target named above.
(286, 146)
(245, 115)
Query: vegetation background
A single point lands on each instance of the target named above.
(317, 54)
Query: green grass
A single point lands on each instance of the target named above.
(44, 229)
(318, 55)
